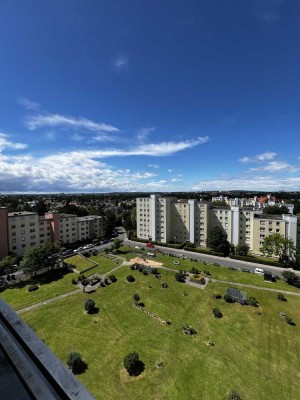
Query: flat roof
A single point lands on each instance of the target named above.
(21, 213)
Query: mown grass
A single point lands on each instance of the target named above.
(105, 264)
(257, 355)
(19, 298)
(79, 262)
(219, 273)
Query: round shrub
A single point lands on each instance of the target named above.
(228, 298)
(31, 288)
(130, 278)
(75, 362)
(281, 297)
(217, 313)
(234, 395)
(89, 306)
(253, 302)
(74, 281)
(136, 297)
(133, 365)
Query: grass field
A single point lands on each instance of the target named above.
(257, 355)
(19, 298)
(220, 273)
(80, 263)
(105, 264)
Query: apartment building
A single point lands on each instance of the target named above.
(20, 230)
(89, 227)
(171, 220)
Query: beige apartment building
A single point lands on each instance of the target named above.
(170, 220)
(20, 230)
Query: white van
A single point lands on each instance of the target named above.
(259, 271)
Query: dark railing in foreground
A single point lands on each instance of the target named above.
(29, 370)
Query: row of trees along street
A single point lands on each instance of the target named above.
(273, 245)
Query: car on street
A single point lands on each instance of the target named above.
(151, 254)
(138, 247)
(149, 245)
(259, 271)
(245, 270)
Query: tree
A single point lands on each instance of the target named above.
(6, 265)
(291, 278)
(116, 244)
(276, 210)
(281, 297)
(89, 306)
(216, 237)
(45, 255)
(279, 246)
(180, 277)
(130, 278)
(253, 302)
(234, 395)
(242, 249)
(75, 362)
(133, 365)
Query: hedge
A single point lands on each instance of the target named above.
(202, 251)
(256, 261)
(172, 246)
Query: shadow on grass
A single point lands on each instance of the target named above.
(138, 368)
(81, 368)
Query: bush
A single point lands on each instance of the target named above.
(74, 281)
(291, 278)
(203, 251)
(253, 302)
(89, 306)
(188, 330)
(31, 288)
(145, 272)
(164, 285)
(102, 284)
(75, 362)
(130, 278)
(207, 272)
(234, 396)
(180, 277)
(289, 320)
(217, 313)
(194, 271)
(281, 297)
(112, 278)
(228, 298)
(133, 365)
(136, 297)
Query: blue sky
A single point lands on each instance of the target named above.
(149, 96)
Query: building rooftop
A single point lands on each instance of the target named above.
(21, 213)
(88, 218)
(267, 216)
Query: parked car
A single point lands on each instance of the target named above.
(259, 271)
(245, 270)
(149, 245)
(151, 254)
(138, 247)
(67, 252)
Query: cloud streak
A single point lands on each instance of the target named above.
(7, 144)
(62, 121)
(28, 104)
(259, 157)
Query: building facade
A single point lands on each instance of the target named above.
(20, 230)
(169, 220)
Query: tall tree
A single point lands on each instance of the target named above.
(276, 210)
(278, 246)
(43, 256)
(216, 238)
(6, 265)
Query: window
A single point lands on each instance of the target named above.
(22, 225)
(32, 230)
(13, 226)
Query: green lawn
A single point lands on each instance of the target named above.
(220, 273)
(79, 262)
(257, 355)
(19, 298)
(105, 264)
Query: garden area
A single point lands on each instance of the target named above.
(255, 351)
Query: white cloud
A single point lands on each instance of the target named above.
(62, 121)
(121, 63)
(277, 166)
(153, 165)
(259, 157)
(28, 104)
(82, 170)
(143, 133)
(6, 144)
(170, 170)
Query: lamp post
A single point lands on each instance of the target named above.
(175, 239)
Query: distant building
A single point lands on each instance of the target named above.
(168, 220)
(20, 230)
